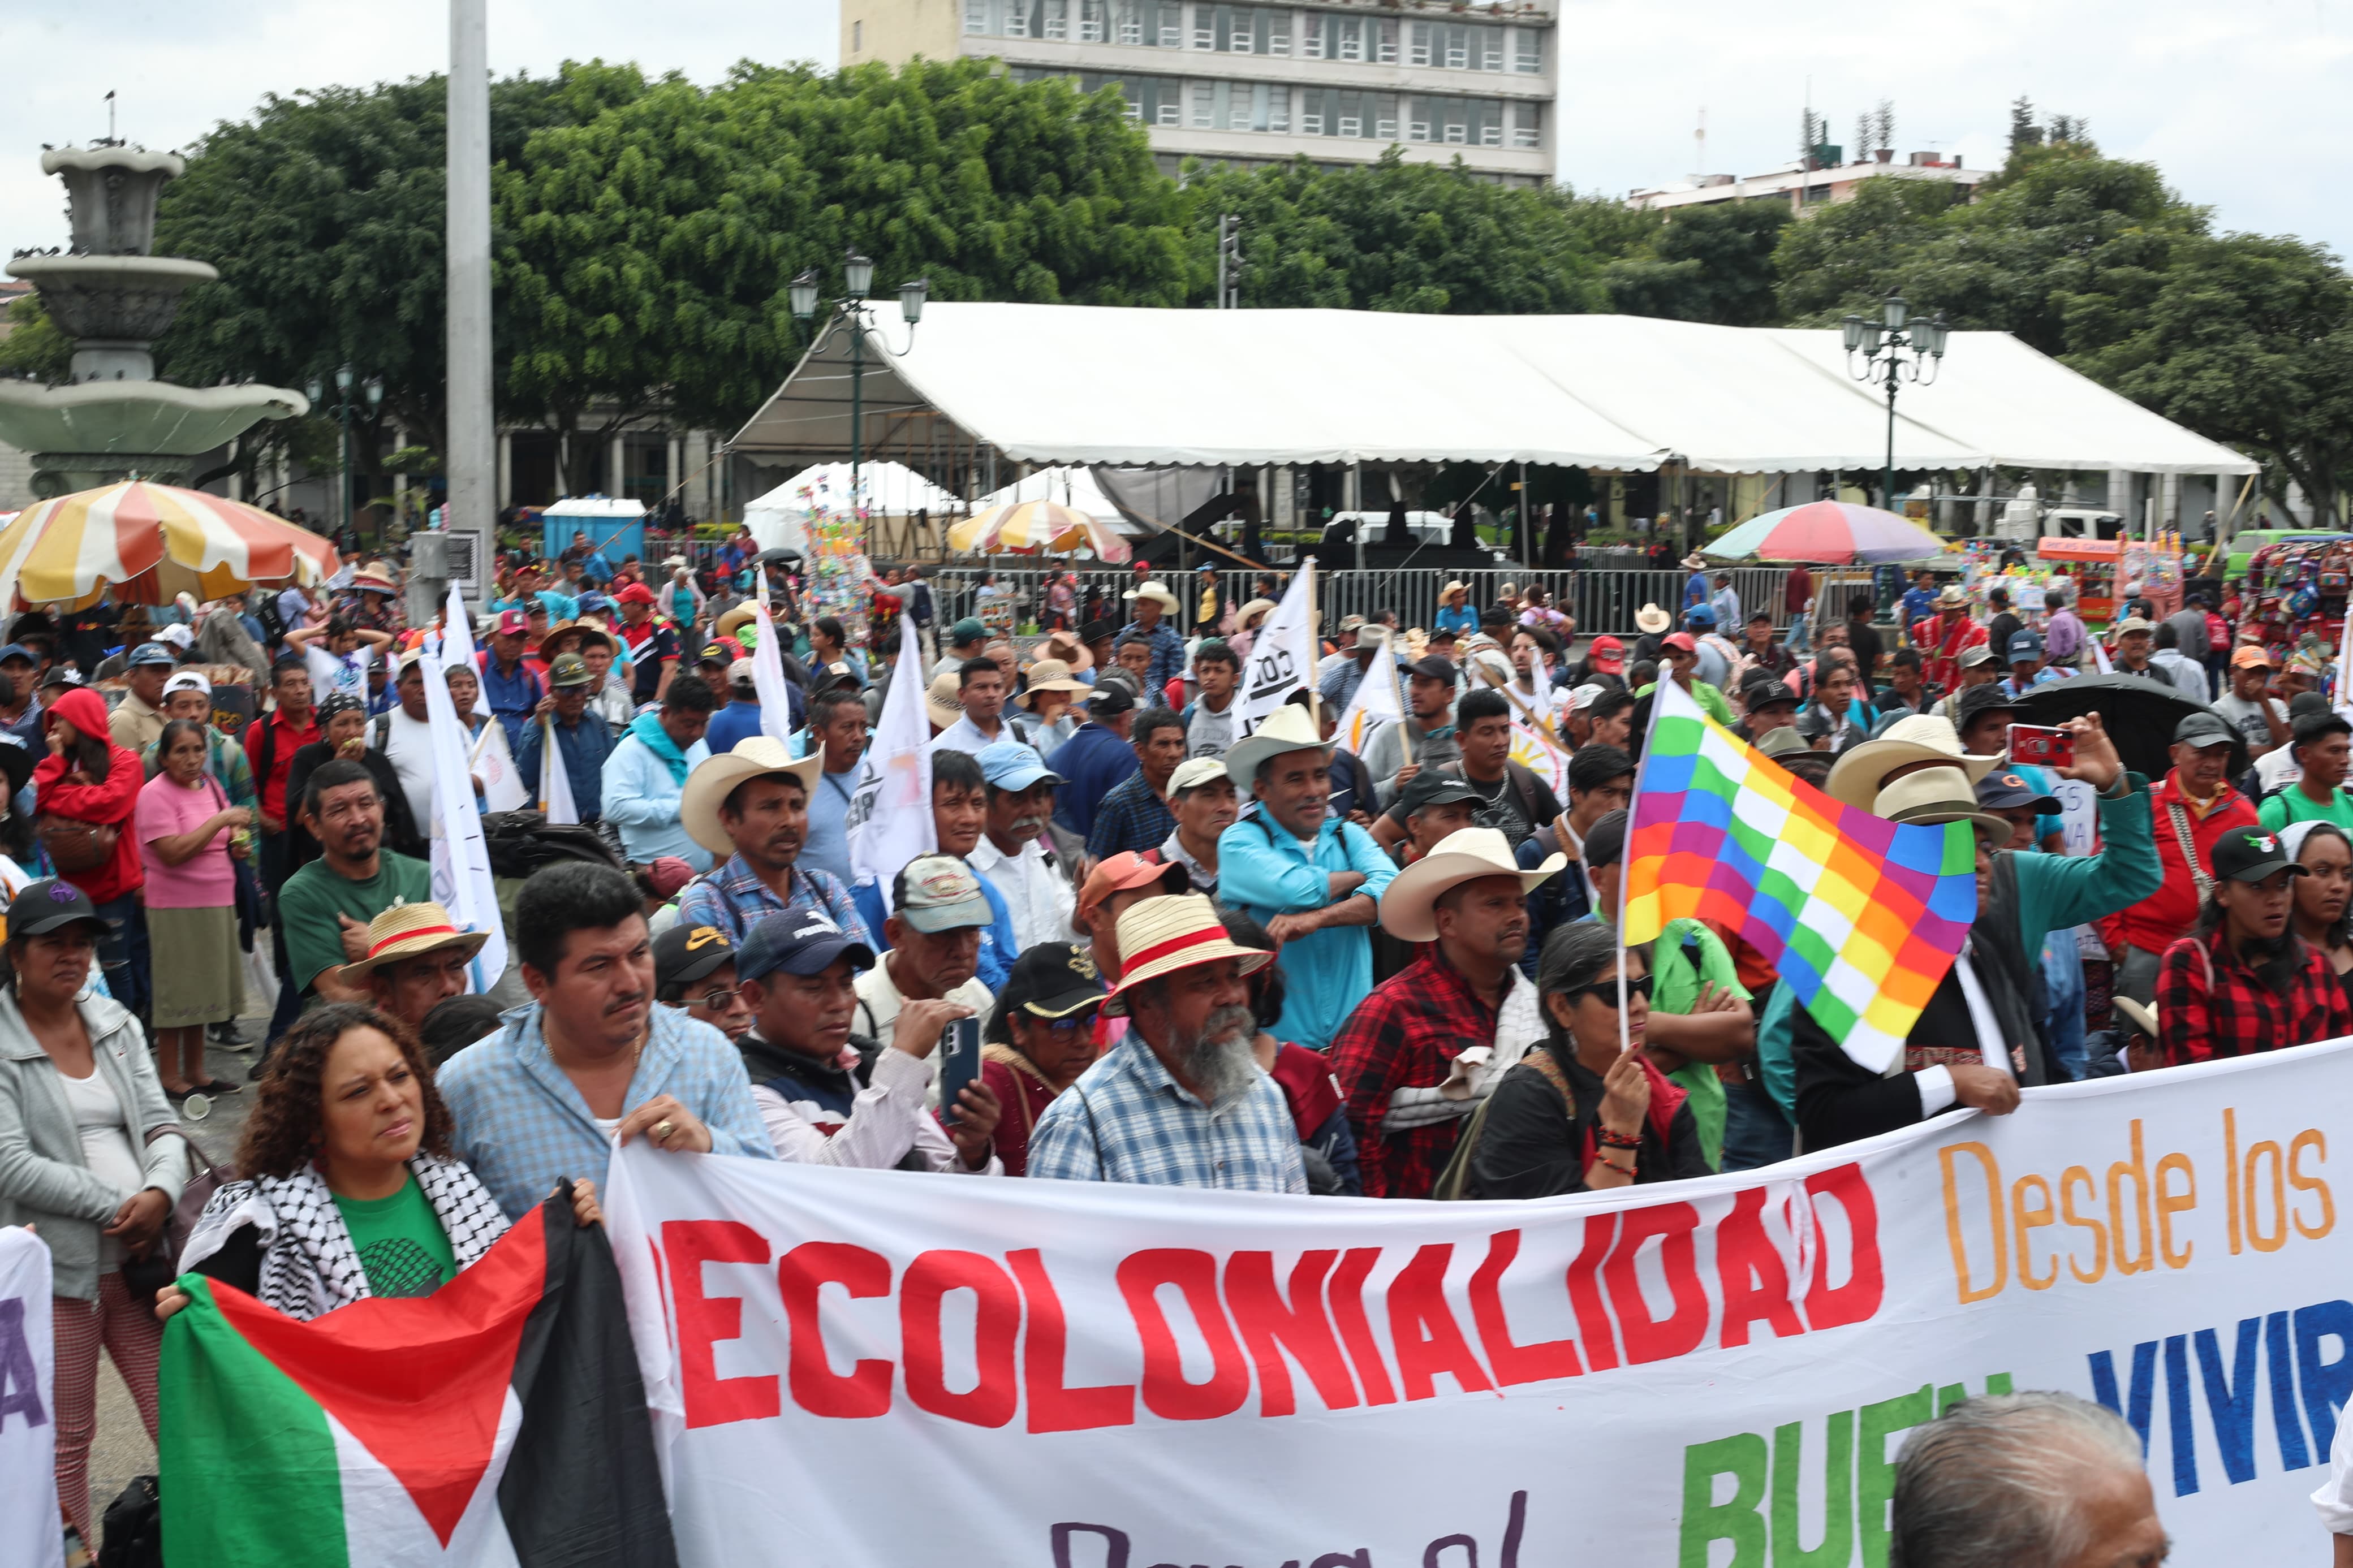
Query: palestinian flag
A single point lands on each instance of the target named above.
(499, 1420)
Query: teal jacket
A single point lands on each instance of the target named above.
(2054, 892)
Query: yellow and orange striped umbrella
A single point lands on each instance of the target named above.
(149, 542)
(1029, 526)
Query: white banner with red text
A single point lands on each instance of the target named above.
(886, 1367)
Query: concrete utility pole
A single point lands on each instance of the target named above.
(470, 447)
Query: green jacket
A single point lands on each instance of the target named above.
(2054, 892)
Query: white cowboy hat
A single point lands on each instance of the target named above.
(1930, 795)
(1650, 618)
(1155, 591)
(1408, 905)
(715, 779)
(1173, 932)
(1857, 777)
(1255, 607)
(2142, 1017)
(411, 930)
(1290, 728)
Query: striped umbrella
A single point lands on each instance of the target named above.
(148, 543)
(1828, 532)
(1029, 526)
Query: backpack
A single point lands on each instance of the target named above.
(520, 842)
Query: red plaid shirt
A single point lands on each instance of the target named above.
(2210, 1004)
(1406, 1035)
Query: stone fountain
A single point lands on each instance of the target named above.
(114, 419)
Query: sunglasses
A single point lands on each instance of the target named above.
(1065, 1027)
(1608, 990)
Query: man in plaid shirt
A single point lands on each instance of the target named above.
(2245, 983)
(1134, 812)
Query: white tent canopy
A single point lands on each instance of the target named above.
(779, 519)
(1070, 383)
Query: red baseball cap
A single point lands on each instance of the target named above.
(1606, 655)
(1683, 640)
(635, 594)
(1132, 869)
(511, 623)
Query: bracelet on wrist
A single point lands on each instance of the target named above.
(1610, 1139)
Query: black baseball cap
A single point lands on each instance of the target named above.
(798, 941)
(2302, 704)
(1764, 691)
(1429, 787)
(1430, 666)
(1054, 980)
(1111, 697)
(44, 906)
(2310, 727)
(2203, 729)
(686, 953)
(2010, 792)
(2249, 855)
(1606, 844)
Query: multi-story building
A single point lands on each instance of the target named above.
(1340, 82)
(1811, 182)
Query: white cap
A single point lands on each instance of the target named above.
(1580, 698)
(178, 636)
(188, 680)
(1196, 771)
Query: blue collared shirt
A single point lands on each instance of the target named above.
(1265, 871)
(734, 899)
(1168, 657)
(1091, 760)
(522, 1125)
(584, 746)
(641, 799)
(1126, 1120)
(512, 696)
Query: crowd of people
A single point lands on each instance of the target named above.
(1200, 956)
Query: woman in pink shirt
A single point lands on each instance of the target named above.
(187, 832)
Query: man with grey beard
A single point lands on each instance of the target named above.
(1180, 1101)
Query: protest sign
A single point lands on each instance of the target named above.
(1716, 1372)
(29, 1531)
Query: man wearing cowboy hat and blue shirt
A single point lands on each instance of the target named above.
(1154, 604)
(751, 805)
(1180, 1101)
(1314, 881)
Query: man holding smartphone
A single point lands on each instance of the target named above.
(935, 929)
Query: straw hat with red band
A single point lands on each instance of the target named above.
(1162, 935)
(412, 931)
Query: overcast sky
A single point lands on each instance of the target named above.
(2244, 106)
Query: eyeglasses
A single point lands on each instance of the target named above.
(1608, 990)
(715, 1001)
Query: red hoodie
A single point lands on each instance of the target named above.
(112, 801)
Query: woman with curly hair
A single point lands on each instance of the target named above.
(349, 1188)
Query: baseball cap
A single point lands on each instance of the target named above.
(2203, 729)
(2246, 655)
(45, 905)
(2305, 702)
(1432, 667)
(739, 673)
(178, 635)
(2249, 855)
(1580, 698)
(1606, 844)
(1194, 772)
(1111, 697)
(1352, 623)
(1764, 691)
(18, 650)
(1054, 980)
(1129, 869)
(634, 593)
(668, 873)
(1431, 788)
(684, 954)
(2023, 645)
(569, 670)
(968, 629)
(1683, 641)
(63, 675)
(1699, 616)
(938, 892)
(1606, 655)
(2309, 727)
(510, 623)
(1975, 654)
(593, 602)
(151, 653)
(715, 653)
(798, 941)
(1011, 766)
(188, 680)
(2010, 792)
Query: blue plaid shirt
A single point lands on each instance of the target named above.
(1130, 817)
(734, 899)
(1126, 1120)
(1167, 659)
(522, 1125)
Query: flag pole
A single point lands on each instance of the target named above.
(1626, 854)
(1405, 714)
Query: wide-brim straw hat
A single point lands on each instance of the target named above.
(1255, 607)
(1173, 932)
(1049, 675)
(1067, 646)
(1451, 589)
(1155, 590)
(2143, 1018)
(940, 698)
(412, 931)
(1409, 905)
(1933, 796)
(1650, 618)
(1289, 728)
(1857, 778)
(1695, 561)
(715, 779)
(726, 623)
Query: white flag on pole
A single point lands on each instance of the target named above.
(458, 643)
(461, 858)
(2345, 673)
(889, 817)
(768, 681)
(1377, 701)
(2100, 654)
(493, 762)
(1282, 655)
(554, 784)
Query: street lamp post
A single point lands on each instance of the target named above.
(1892, 349)
(373, 389)
(857, 313)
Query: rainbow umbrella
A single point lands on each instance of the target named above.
(1830, 534)
(1027, 527)
(148, 543)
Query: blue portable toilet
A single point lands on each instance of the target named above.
(617, 528)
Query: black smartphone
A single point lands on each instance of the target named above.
(959, 1061)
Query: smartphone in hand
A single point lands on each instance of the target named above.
(959, 1052)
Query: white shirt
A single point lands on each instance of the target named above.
(886, 1120)
(105, 1144)
(1039, 898)
(408, 747)
(879, 1001)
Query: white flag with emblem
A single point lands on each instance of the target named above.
(457, 644)
(554, 784)
(1282, 653)
(462, 883)
(889, 817)
(1377, 701)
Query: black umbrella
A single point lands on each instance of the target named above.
(780, 557)
(2140, 716)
